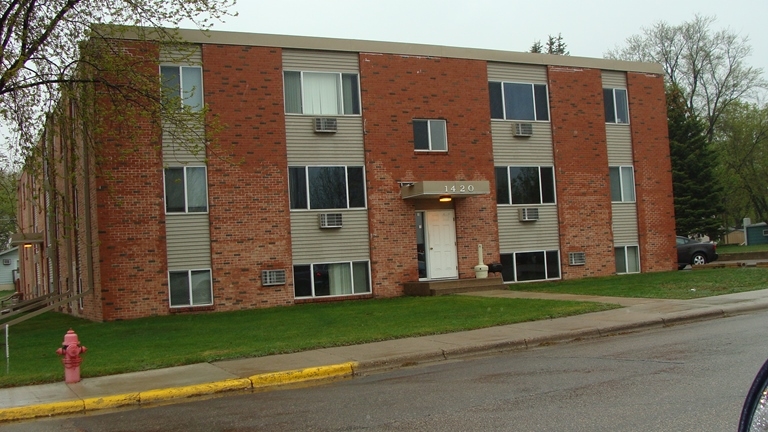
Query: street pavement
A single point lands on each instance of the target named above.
(253, 374)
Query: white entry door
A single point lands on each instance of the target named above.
(441, 244)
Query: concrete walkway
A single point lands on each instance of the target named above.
(146, 388)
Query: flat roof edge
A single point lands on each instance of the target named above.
(399, 48)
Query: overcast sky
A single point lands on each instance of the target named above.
(589, 27)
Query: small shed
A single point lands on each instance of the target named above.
(9, 265)
(756, 233)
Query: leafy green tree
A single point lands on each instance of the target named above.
(555, 45)
(8, 199)
(742, 148)
(698, 194)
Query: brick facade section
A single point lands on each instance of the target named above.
(395, 90)
(581, 170)
(653, 172)
(247, 176)
(130, 208)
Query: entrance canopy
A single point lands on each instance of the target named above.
(441, 189)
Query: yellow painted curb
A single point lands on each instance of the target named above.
(42, 410)
(115, 401)
(299, 375)
(194, 390)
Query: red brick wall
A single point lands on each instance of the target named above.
(581, 170)
(247, 176)
(653, 172)
(395, 90)
(130, 209)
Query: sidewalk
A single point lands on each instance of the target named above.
(145, 388)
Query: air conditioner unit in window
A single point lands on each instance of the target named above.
(325, 124)
(523, 129)
(330, 220)
(577, 258)
(272, 277)
(528, 214)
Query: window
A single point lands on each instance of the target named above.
(321, 93)
(186, 190)
(622, 184)
(530, 266)
(627, 259)
(616, 110)
(525, 185)
(190, 288)
(429, 135)
(333, 279)
(327, 187)
(184, 83)
(516, 101)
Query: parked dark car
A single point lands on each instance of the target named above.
(694, 252)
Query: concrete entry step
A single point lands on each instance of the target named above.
(453, 286)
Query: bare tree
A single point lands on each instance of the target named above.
(47, 46)
(708, 66)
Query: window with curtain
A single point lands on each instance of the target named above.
(331, 279)
(430, 135)
(627, 259)
(622, 183)
(321, 93)
(183, 84)
(186, 190)
(190, 288)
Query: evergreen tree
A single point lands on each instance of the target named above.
(698, 194)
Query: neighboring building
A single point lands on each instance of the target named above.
(756, 234)
(346, 168)
(9, 265)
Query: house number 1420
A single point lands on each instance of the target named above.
(460, 188)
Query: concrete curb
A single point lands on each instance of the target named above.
(149, 397)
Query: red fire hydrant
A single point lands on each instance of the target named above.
(71, 351)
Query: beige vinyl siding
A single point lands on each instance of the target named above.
(306, 147)
(619, 144)
(181, 54)
(517, 73)
(518, 151)
(624, 224)
(312, 244)
(183, 149)
(188, 241)
(612, 79)
(523, 236)
(187, 146)
(323, 61)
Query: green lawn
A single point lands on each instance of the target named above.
(740, 249)
(670, 285)
(151, 343)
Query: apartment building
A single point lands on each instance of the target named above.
(344, 169)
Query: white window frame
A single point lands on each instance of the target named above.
(626, 258)
(546, 265)
(533, 100)
(430, 141)
(622, 169)
(541, 191)
(186, 190)
(307, 188)
(369, 288)
(181, 68)
(189, 285)
(339, 94)
(616, 106)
